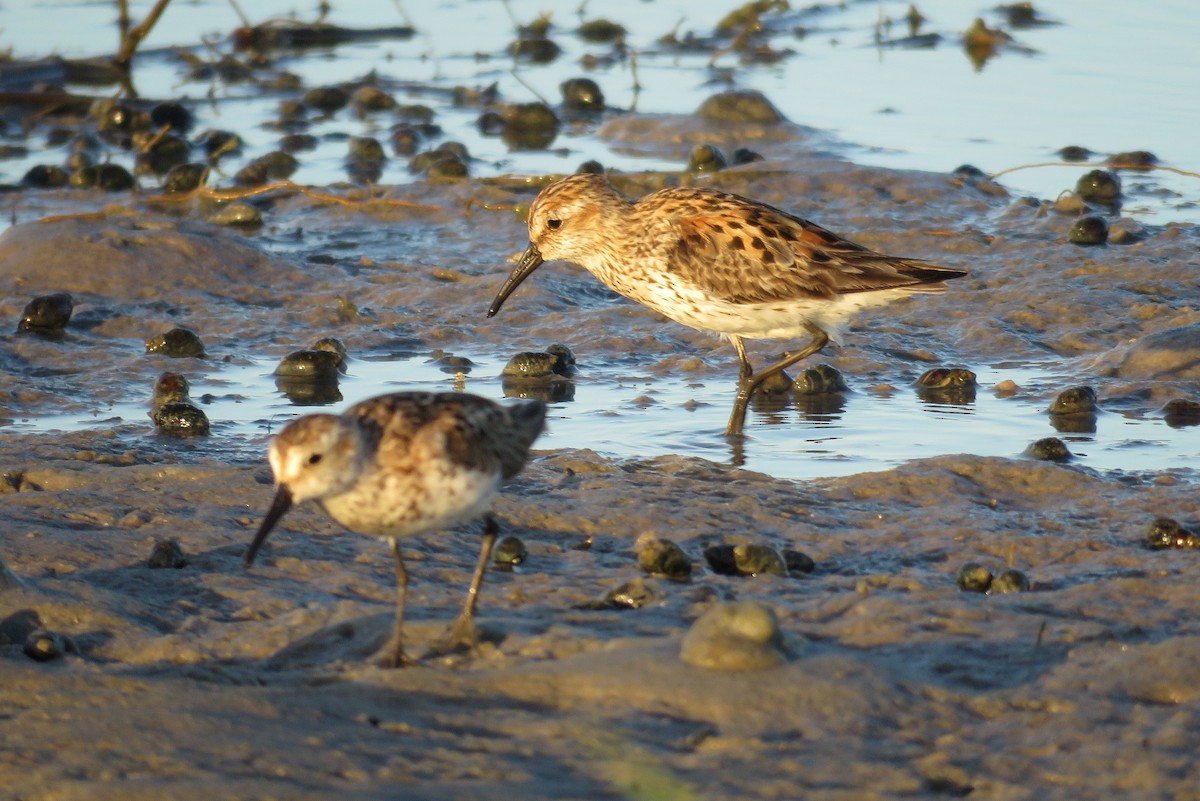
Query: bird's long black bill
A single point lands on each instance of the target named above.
(279, 506)
(529, 262)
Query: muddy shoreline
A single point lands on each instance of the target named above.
(212, 680)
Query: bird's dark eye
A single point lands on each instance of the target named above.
(314, 459)
(554, 225)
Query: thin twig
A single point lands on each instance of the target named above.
(1080, 164)
(137, 34)
(235, 194)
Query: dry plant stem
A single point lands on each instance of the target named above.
(137, 33)
(1081, 164)
(238, 10)
(235, 194)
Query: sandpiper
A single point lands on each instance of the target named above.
(718, 262)
(400, 465)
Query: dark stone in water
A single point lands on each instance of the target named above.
(1049, 449)
(797, 563)
(820, 380)
(952, 385)
(664, 558)
(600, 30)
(170, 387)
(185, 178)
(1009, 581)
(707, 158)
(535, 49)
(166, 554)
(582, 94)
(530, 364)
(178, 343)
(744, 560)
(529, 126)
(973, 577)
(745, 156)
(778, 384)
(1133, 160)
(47, 314)
(219, 143)
(1076, 400)
(371, 99)
(327, 99)
(109, 177)
(317, 366)
(740, 105)
(1181, 412)
(564, 359)
(180, 418)
(1074, 153)
(1099, 186)
(509, 552)
(165, 154)
(1165, 532)
(44, 646)
(633, 594)
(1090, 230)
(173, 114)
(46, 176)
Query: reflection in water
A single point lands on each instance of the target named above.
(309, 392)
(1084, 423)
(553, 389)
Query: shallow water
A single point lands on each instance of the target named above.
(639, 415)
(1110, 76)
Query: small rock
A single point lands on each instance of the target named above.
(1074, 153)
(178, 343)
(633, 594)
(1180, 412)
(1009, 581)
(797, 563)
(660, 557)
(1049, 449)
(236, 213)
(820, 380)
(530, 364)
(582, 94)
(180, 418)
(1099, 186)
(1165, 532)
(318, 366)
(735, 636)
(44, 646)
(973, 577)
(1076, 400)
(707, 158)
(170, 387)
(509, 552)
(166, 554)
(529, 126)
(740, 105)
(47, 314)
(1090, 230)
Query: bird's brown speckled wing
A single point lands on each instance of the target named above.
(748, 252)
(479, 434)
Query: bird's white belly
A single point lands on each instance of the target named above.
(784, 319)
(408, 504)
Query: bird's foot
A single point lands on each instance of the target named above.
(392, 656)
(462, 636)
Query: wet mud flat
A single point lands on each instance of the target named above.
(208, 679)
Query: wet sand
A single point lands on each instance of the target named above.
(213, 681)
